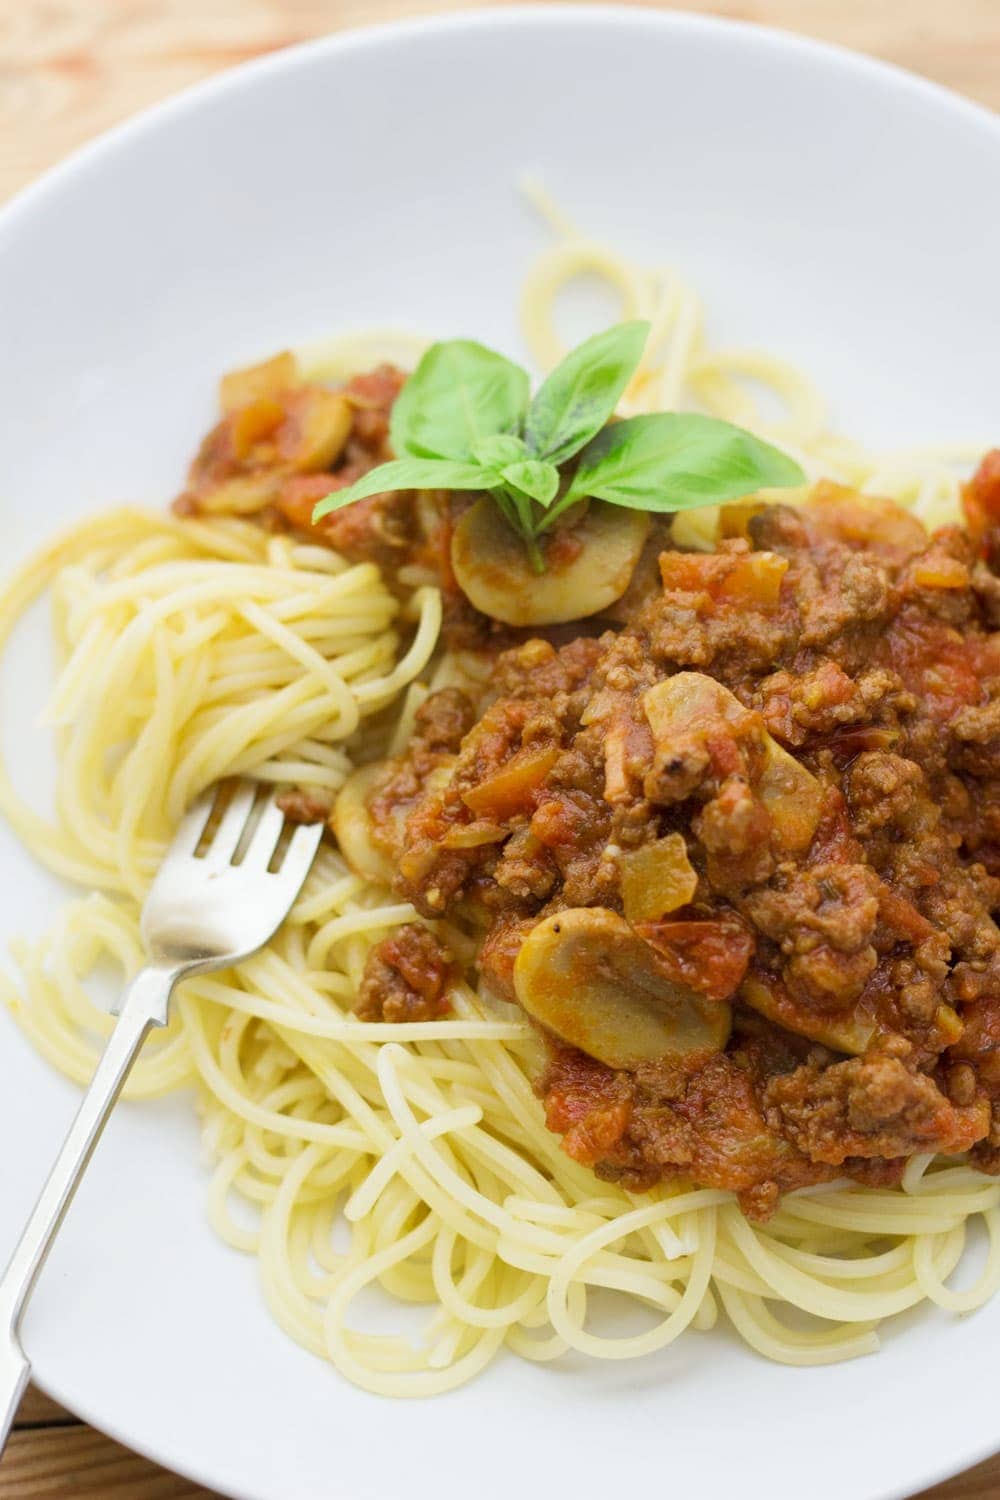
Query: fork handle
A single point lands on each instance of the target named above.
(145, 1005)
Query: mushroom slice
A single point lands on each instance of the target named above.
(587, 977)
(352, 824)
(588, 565)
(792, 794)
(768, 995)
(371, 849)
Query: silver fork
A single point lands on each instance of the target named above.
(215, 900)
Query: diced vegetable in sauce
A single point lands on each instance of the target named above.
(315, 428)
(269, 379)
(508, 791)
(656, 878)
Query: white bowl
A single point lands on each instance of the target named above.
(831, 209)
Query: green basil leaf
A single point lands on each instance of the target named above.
(459, 392)
(500, 449)
(533, 477)
(582, 392)
(677, 461)
(410, 474)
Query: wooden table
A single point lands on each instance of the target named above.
(71, 68)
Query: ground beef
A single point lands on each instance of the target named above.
(879, 1105)
(442, 722)
(975, 739)
(986, 587)
(807, 705)
(300, 806)
(887, 791)
(406, 978)
(823, 922)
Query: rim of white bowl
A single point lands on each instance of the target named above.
(93, 153)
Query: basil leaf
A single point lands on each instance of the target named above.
(534, 477)
(410, 474)
(459, 392)
(499, 449)
(676, 461)
(581, 393)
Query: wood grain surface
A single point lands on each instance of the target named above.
(70, 69)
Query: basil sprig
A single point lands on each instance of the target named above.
(577, 399)
(465, 420)
(459, 393)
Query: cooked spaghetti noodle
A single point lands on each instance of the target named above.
(413, 1156)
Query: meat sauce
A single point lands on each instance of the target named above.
(777, 777)
(284, 444)
(824, 749)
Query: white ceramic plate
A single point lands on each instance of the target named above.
(834, 210)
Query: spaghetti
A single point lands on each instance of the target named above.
(413, 1156)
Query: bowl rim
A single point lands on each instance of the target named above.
(102, 148)
(192, 97)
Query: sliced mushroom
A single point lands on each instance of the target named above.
(792, 794)
(844, 1033)
(352, 824)
(241, 495)
(587, 977)
(374, 850)
(588, 565)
